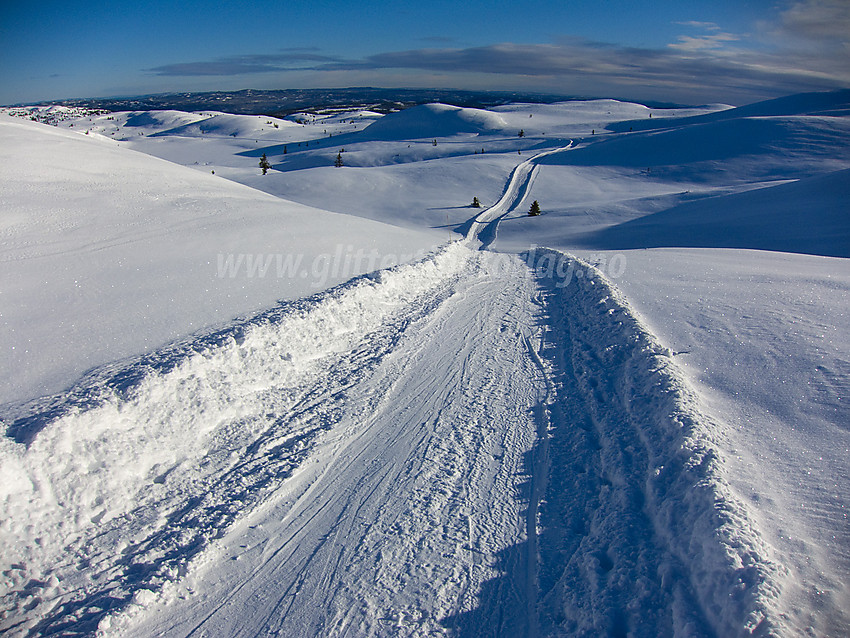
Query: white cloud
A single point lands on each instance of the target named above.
(707, 26)
(818, 20)
(713, 42)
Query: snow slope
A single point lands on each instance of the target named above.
(749, 148)
(226, 124)
(434, 120)
(107, 253)
(832, 103)
(805, 216)
(763, 337)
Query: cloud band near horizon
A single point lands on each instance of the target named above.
(806, 48)
(682, 66)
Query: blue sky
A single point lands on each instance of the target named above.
(733, 51)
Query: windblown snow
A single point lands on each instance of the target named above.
(340, 401)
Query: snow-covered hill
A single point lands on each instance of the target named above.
(434, 120)
(108, 253)
(648, 437)
(809, 215)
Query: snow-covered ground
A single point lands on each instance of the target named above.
(108, 253)
(646, 437)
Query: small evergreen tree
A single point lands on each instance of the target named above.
(521, 133)
(476, 203)
(264, 164)
(534, 211)
(338, 160)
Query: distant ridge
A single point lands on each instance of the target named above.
(287, 101)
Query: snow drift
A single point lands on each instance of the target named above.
(132, 473)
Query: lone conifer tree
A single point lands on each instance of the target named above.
(264, 164)
(521, 133)
(476, 203)
(535, 209)
(338, 160)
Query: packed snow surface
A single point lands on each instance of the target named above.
(646, 437)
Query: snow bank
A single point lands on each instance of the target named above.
(651, 531)
(129, 475)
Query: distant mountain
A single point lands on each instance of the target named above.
(288, 101)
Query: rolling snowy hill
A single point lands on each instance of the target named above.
(108, 253)
(626, 416)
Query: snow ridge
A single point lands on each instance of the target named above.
(123, 484)
(638, 521)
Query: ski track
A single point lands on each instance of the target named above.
(461, 445)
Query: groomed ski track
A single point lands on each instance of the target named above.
(474, 444)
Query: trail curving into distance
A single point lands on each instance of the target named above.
(519, 183)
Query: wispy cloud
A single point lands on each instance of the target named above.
(290, 60)
(818, 20)
(812, 34)
(708, 26)
(714, 42)
(687, 67)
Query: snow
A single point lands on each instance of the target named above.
(764, 339)
(804, 216)
(434, 120)
(108, 253)
(626, 416)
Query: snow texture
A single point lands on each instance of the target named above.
(647, 438)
